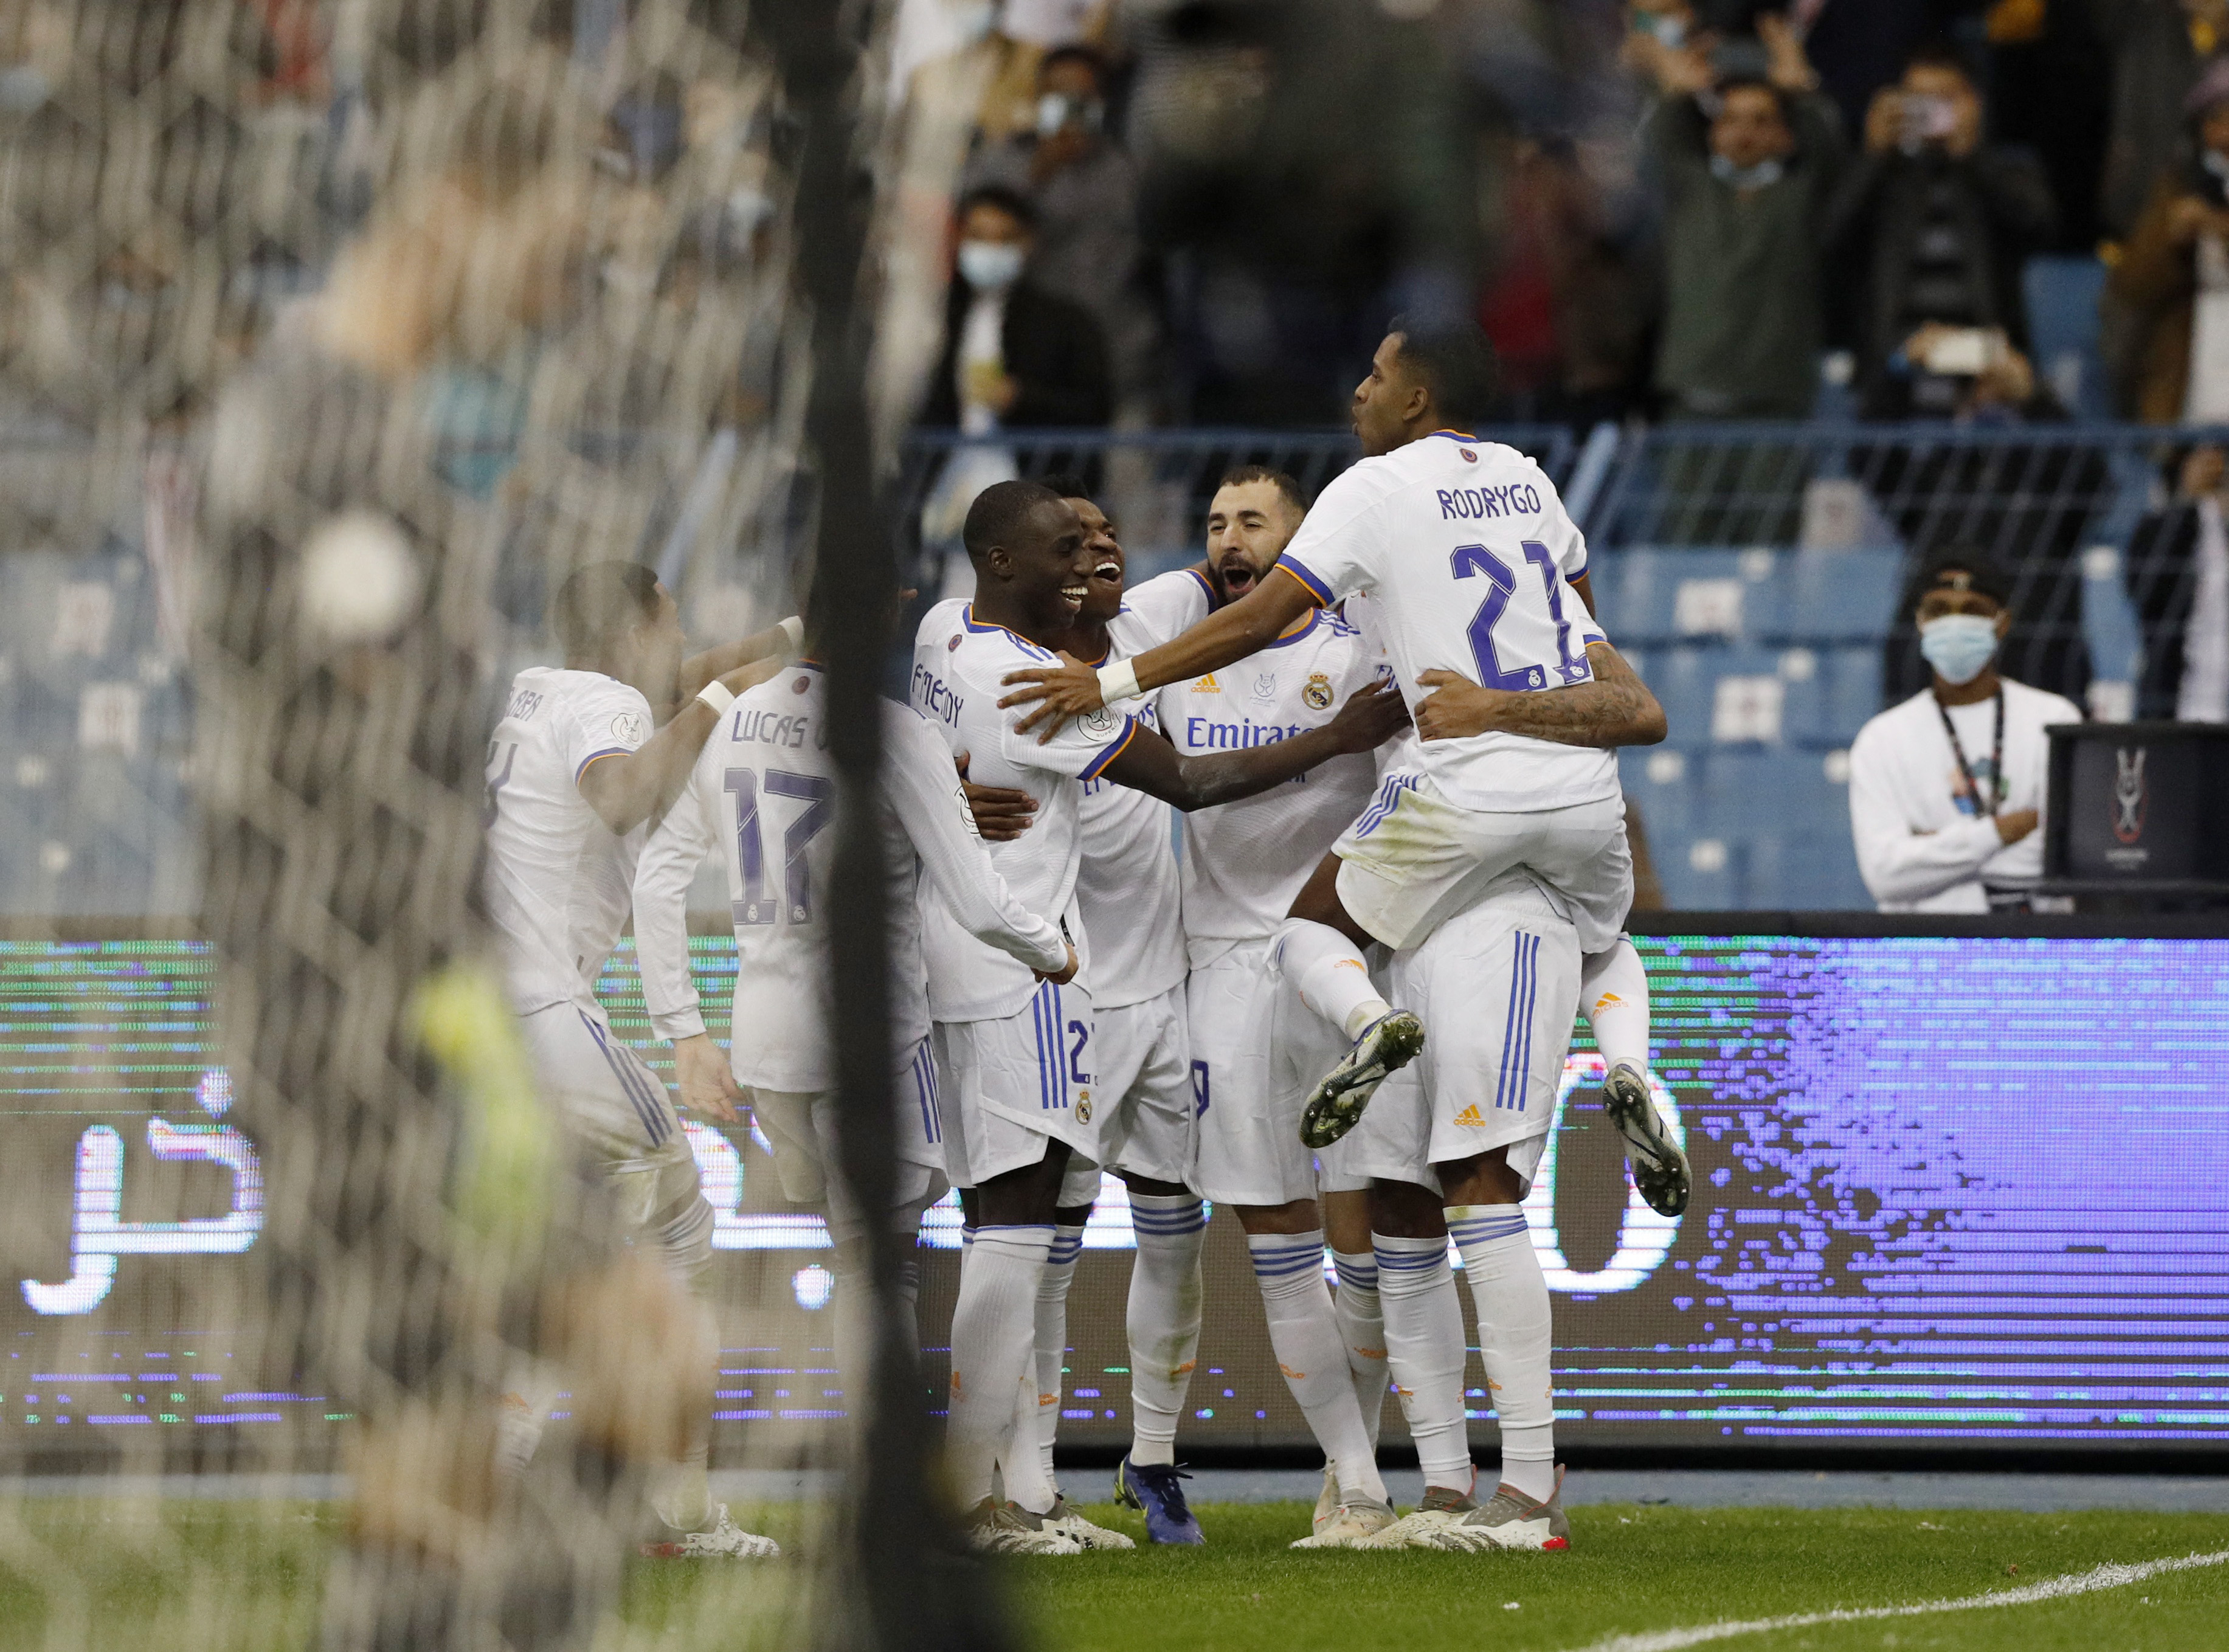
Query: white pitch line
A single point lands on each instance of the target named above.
(2112, 1575)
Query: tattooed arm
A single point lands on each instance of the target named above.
(1616, 708)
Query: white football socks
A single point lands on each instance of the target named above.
(1425, 1351)
(1330, 974)
(1514, 1338)
(993, 1333)
(1163, 1318)
(1614, 993)
(1304, 1336)
(1362, 1327)
(1052, 1336)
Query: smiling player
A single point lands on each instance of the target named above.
(1019, 1060)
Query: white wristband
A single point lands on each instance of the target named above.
(717, 695)
(1118, 681)
(793, 628)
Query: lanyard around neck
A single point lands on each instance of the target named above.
(1984, 810)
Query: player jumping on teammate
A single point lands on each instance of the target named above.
(1021, 1095)
(1513, 765)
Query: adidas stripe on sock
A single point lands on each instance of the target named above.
(1304, 1336)
(1163, 1318)
(1362, 1327)
(1515, 1338)
(1425, 1351)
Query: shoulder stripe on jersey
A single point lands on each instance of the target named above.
(595, 756)
(1315, 587)
(1206, 585)
(1098, 765)
(968, 619)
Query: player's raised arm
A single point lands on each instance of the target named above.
(1616, 708)
(777, 644)
(925, 797)
(628, 788)
(1149, 763)
(1228, 635)
(689, 832)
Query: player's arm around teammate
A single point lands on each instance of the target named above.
(1150, 764)
(628, 788)
(1615, 710)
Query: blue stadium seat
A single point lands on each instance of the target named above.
(1667, 786)
(1683, 679)
(1839, 595)
(1851, 678)
(2061, 295)
(1638, 592)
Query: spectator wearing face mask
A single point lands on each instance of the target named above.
(2172, 278)
(1935, 224)
(1014, 355)
(1947, 789)
(1083, 187)
(1748, 169)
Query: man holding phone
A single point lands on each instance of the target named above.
(1936, 223)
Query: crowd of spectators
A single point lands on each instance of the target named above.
(1681, 209)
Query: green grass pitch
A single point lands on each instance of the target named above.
(145, 1576)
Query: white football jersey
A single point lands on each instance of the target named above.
(557, 877)
(1469, 556)
(1244, 862)
(1130, 890)
(959, 668)
(762, 797)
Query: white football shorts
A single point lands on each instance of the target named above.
(1257, 1050)
(620, 1111)
(1009, 1087)
(1141, 1064)
(1413, 859)
(1497, 987)
(801, 1128)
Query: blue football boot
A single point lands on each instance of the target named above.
(1153, 1488)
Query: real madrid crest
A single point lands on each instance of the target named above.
(1084, 1111)
(1317, 692)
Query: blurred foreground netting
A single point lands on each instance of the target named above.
(337, 336)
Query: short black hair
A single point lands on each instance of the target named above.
(1075, 52)
(1961, 568)
(1457, 364)
(598, 601)
(999, 510)
(1013, 202)
(1240, 475)
(1067, 484)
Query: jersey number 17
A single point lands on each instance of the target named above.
(818, 794)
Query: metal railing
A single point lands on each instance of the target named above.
(94, 713)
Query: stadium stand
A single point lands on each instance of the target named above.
(1768, 654)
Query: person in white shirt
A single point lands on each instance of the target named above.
(1017, 1057)
(1947, 789)
(1128, 890)
(584, 755)
(762, 796)
(1472, 565)
(1244, 864)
